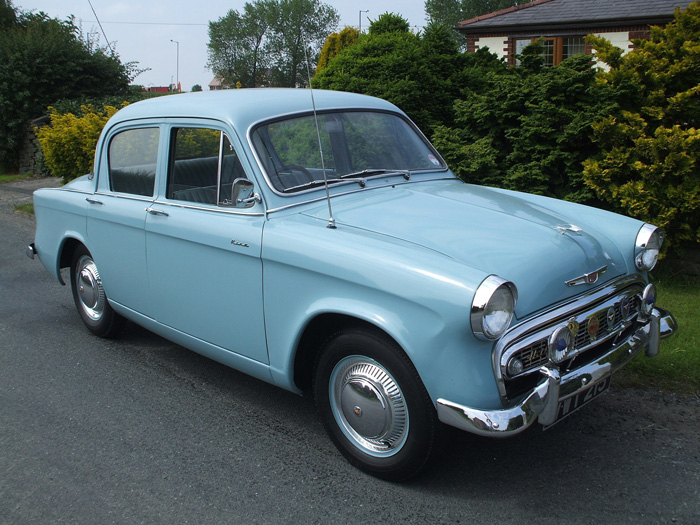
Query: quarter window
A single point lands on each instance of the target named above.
(203, 166)
(132, 161)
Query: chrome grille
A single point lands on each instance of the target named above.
(534, 352)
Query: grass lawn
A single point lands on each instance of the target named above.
(677, 367)
(25, 208)
(14, 177)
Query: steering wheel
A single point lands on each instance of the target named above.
(289, 168)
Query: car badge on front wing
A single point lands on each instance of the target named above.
(587, 278)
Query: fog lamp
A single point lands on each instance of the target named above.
(561, 343)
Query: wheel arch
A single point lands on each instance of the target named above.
(65, 254)
(316, 333)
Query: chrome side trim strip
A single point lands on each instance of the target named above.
(542, 403)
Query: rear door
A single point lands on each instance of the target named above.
(116, 216)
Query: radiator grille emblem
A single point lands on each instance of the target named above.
(587, 278)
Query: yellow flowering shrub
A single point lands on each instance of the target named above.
(68, 144)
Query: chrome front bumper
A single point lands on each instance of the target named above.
(542, 403)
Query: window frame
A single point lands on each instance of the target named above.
(111, 169)
(171, 161)
(557, 47)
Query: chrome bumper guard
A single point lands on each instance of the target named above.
(542, 404)
(31, 251)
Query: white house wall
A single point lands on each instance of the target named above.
(496, 45)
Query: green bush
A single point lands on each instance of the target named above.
(527, 128)
(68, 144)
(649, 161)
(419, 73)
(43, 60)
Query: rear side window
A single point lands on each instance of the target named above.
(203, 166)
(132, 161)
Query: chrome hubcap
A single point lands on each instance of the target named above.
(90, 291)
(369, 406)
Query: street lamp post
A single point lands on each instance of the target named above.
(177, 69)
(361, 11)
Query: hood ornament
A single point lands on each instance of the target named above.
(587, 278)
(571, 228)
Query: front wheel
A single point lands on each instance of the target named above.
(374, 405)
(90, 298)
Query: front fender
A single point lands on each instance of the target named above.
(418, 297)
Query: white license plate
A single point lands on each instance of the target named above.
(573, 403)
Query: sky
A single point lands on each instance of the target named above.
(142, 31)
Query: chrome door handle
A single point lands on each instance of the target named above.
(153, 211)
(93, 201)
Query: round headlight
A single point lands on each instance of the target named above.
(648, 246)
(492, 308)
(648, 300)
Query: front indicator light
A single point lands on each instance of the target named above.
(515, 367)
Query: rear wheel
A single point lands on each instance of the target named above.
(90, 298)
(373, 404)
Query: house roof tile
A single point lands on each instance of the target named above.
(575, 12)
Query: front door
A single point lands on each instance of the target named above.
(203, 253)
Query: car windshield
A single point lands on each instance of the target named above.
(355, 144)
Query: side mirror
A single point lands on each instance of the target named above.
(243, 193)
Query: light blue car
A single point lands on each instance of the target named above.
(317, 241)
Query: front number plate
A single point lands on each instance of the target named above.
(573, 403)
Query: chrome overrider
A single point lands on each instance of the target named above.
(541, 404)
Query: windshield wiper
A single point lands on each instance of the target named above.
(377, 171)
(319, 182)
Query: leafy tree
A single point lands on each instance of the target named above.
(419, 73)
(449, 12)
(236, 43)
(268, 42)
(389, 23)
(335, 43)
(299, 32)
(43, 60)
(649, 165)
(8, 18)
(196, 87)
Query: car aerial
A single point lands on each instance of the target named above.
(317, 241)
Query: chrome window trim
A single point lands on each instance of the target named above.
(557, 314)
(128, 196)
(310, 112)
(210, 207)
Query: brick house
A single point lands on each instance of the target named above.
(563, 25)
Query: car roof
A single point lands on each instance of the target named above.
(244, 107)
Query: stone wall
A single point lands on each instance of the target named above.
(30, 158)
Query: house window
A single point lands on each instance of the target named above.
(556, 48)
